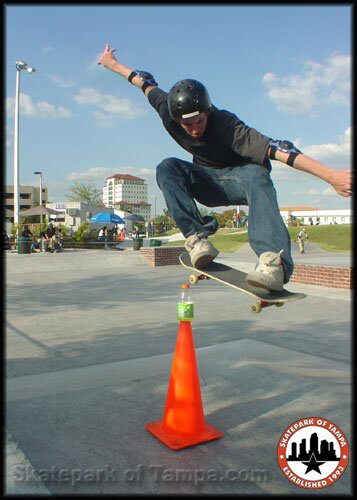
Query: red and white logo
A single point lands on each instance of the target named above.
(313, 453)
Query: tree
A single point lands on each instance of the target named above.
(226, 218)
(163, 223)
(85, 190)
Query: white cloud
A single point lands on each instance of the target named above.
(313, 191)
(46, 49)
(9, 138)
(61, 82)
(337, 155)
(317, 86)
(292, 93)
(101, 173)
(96, 173)
(328, 192)
(103, 119)
(108, 106)
(93, 64)
(41, 109)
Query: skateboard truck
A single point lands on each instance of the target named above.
(258, 306)
(194, 278)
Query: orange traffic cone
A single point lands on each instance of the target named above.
(183, 423)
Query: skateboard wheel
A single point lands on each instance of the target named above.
(279, 304)
(256, 307)
(193, 279)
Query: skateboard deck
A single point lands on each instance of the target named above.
(237, 280)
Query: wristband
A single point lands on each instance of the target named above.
(291, 159)
(131, 76)
(272, 152)
(145, 85)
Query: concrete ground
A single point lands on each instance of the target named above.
(90, 337)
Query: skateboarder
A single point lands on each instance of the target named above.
(230, 166)
(302, 237)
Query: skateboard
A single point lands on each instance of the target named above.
(237, 280)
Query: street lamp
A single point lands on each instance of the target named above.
(20, 66)
(40, 174)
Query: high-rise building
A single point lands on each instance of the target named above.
(128, 193)
(314, 443)
(303, 452)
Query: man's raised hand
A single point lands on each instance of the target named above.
(107, 57)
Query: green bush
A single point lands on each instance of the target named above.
(83, 232)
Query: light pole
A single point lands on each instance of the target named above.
(20, 66)
(40, 174)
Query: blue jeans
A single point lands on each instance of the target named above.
(183, 182)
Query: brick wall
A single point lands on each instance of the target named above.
(333, 277)
(161, 256)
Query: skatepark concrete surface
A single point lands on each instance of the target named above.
(90, 338)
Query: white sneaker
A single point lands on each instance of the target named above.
(268, 273)
(201, 251)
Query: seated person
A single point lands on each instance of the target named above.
(6, 241)
(58, 240)
(26, 233)
(42, 241)
(103, 233)
(50, 232)
(121, 235)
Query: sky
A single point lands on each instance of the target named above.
(283, 69)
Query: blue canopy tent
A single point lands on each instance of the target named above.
(107, 217)
(134, 218)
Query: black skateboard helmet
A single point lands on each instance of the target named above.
(188, 98)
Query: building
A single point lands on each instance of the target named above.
(73, 213)
(141, 208)
(127, 193)
(29, 197)
(307, 216)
